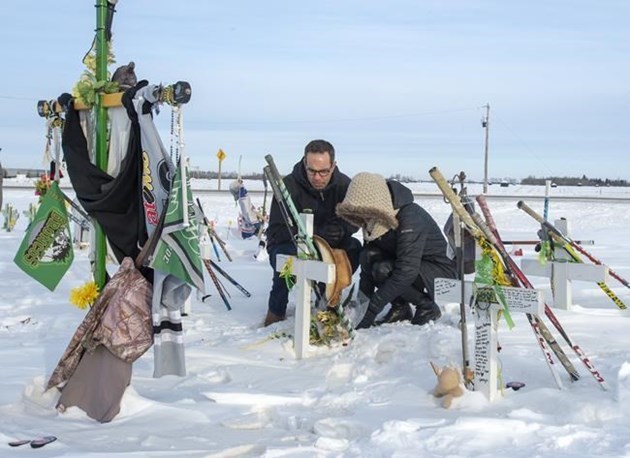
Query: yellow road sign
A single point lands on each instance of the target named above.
(221, 154)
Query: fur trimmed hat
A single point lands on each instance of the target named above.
(368, 204)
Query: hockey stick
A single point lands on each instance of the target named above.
(520, 276)
(262, 241)
(482, 238)
(290, 206)
(458, 235)
(277, 194)
(213, 234)
(560, 238)
(229, 278)
(214, 246)
(568, 241)
(217, 283)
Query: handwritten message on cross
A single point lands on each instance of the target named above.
(486, 306)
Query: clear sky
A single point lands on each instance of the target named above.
(397, 86)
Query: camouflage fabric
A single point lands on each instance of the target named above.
(120, 319)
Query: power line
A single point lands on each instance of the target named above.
(523, 143)
(337, 120)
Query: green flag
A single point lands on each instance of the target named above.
(46, 250)
(177, 252)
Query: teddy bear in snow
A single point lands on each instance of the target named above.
(449, 385)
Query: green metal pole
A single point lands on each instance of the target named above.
(101, 133)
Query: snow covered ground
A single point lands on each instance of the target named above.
(247, 395)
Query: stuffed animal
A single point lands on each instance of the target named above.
(449, 385)
(125, 76)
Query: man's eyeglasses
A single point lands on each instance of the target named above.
(322, 173)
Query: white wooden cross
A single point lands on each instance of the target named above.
(562, 271)
(305, 271)
(518, 300)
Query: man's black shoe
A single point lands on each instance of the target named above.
(427, 313)
(399, 311)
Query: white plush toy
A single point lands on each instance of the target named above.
(449, 384)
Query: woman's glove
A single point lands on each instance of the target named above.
(368, 320)
(372, 311)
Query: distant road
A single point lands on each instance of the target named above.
(515, 197)
(417, 195)
(430, 195)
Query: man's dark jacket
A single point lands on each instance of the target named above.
(307, 199)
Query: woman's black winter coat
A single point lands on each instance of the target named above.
(417, 245)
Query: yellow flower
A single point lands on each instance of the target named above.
(84, 296)
(42, 185)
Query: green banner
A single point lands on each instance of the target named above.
(46, 250)
(177, 252)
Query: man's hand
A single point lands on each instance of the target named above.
(333, 234)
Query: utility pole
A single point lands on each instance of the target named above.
(485, 123)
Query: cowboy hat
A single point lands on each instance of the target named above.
(343, 269)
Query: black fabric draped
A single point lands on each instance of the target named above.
(114, 202)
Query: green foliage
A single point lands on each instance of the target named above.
(42, 185)
(87, 88)
(11, 216)
(30, 213)
(326, 328)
